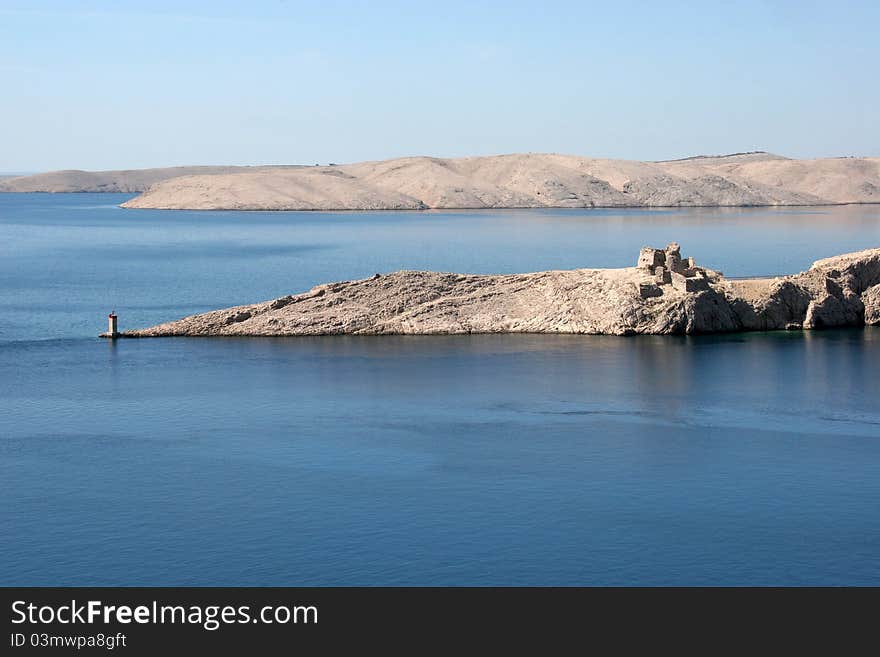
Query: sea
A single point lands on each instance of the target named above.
(740, 459)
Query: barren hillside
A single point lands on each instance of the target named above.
(530, 180)
(126, 181)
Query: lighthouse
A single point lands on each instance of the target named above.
(112, 331)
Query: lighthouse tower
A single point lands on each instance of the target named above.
(112, 330)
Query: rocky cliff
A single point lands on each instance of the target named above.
(664, 293)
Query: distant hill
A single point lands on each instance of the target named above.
(128, 181)
(502, 181)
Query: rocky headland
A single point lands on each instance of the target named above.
(665, 293)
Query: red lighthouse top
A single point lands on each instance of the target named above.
(112, 315)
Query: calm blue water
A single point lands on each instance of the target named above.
(749, 459)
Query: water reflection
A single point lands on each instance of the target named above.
(787, 379)
(505, 459)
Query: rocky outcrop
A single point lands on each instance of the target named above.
(840, 291)
(871, 299)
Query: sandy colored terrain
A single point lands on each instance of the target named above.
(839, 291)
(528, 181)
(128, 181)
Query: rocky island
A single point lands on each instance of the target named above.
(665, 293)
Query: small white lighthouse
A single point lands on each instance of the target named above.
(112, 331)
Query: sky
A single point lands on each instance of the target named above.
(108, 85)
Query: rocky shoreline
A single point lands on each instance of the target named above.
(664, 293)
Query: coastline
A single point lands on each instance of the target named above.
(512, 181)
(664, 294)
(497, 208)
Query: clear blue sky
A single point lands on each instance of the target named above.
(97, 85)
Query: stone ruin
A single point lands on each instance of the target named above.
(669, 268)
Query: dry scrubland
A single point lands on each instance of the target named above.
(503, 181)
